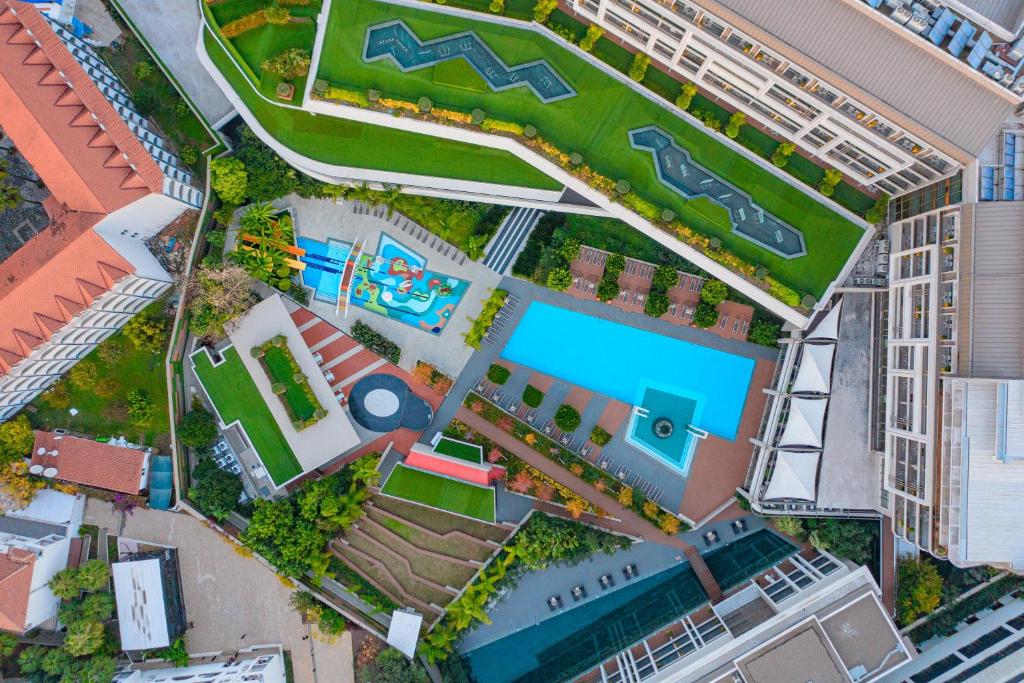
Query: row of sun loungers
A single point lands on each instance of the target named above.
(579, 591)
(501, 318)
(412, 229)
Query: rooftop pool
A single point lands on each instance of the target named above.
(622, 361)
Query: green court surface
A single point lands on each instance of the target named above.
(594, 123)
(440, 492)
(350, 143)
(459, 449)
(236, 397)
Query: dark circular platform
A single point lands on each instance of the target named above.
(383, 403)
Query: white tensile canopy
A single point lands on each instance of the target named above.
(815, 373)
(806, 423)
(828, 328)
(795, 476)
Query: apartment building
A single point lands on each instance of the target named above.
(264, 664)
(35, 544)
(849, 85)
(96, 181)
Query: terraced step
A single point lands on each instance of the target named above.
(490, 535)
(469, 549)
(399, 569)
(395, 592)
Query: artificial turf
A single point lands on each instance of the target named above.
(342, 142)
(595, 123)
(297, 396)
(236, 397)
(457, 449)
(440, 492)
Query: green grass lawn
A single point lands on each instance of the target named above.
(596, 124)
(236, 397)
(441, 492)
(350, 143)
(278, 364)
(457, 449)
(101, 407)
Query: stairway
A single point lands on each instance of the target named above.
(511, 235)
(708, 581)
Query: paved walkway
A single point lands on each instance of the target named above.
(171, 28)
(231, 601)
(510, 238)
(630, 522)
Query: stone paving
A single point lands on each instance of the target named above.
(231, 601)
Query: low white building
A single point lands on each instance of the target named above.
(263, 664)
(35, 543)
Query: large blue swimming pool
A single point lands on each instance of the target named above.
(620, 361)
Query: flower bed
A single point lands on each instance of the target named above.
(289, 383)
(433, 378)
(596, 477)
(376, 342)
(645, 209)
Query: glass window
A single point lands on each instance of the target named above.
(802, 108)
(880, 127)
(739, 42)
(853, 111)
(712, 26)
(769, 60)
(795, 77)
(823, 93)
(938, 163)
(910, 145)
(692, 59)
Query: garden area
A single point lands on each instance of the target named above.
(441, 492)
(350, 143)
(235, 396)
(118, 389)
(156, 97)
(605, 147)
(288, 382)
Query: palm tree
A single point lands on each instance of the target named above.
(258, 218)
(64, 584)
(475, 246)
(389, 196)
(364, 471)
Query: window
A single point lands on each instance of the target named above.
(824, 94)
(805, 110)
(795, 77)
(769, 60)
(692, 60)
(880, 127)
(852, 110)
(712, 26)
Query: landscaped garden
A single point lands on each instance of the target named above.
(459, 449)
(440, 492)
(289, 383)
(235, 396)
(118, 389)
(350, 143)
(604, 147)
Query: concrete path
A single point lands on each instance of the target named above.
(171, 27)
(231, 602)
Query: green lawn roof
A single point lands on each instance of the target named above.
(460, 449)
(360, 145)
(440, 492)
(595, 123)
(235, 396)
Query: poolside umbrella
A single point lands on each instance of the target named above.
(815, 373)
(795, 476)
(806, 423)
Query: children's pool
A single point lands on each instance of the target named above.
(325, 262)
(622, 361)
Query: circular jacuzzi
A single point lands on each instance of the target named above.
(383, 403)
(662, 427)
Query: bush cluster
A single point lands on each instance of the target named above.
(498, 374)
(376, 342)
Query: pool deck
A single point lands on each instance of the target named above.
(351, 222)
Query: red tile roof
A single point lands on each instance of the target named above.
(62, 124)
(16, 566)
(89, 160)
(91, 463)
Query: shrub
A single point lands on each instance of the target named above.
(668, 215)
(714, 292)
(878, 212)
(780, 157)
(600, 436)
(147, 333)
(477, 116)
(638, 69)
(567, 418)
(828, 184)
(529, 131)
(229, 179)
(143, 70)
(792, 526)
(189, 155)
(373, 95)
(197, 428)
(919, 589)
(83, 375)
(497, 6)
(575, 158)
(607, 289)
(614, 264)
(424, 104)
(657, 304)
(498, 374)
(594, 33)
(289, 64)
(140, 406)
(736, 121)
(764, 333)
(686, 95)
(623, 186)
(278, 388)
(761, 272)
(277, 15)
(146, 101)
(16, 440)
(669, 523)
(376, 342)
(705, 316)
(559, 279)
(665, 278)
(543, 9)
(532, 396)
(651, 510)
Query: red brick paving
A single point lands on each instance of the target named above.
(336, 348)
(301, 316)
(316, 334)
(578, 398)
(352, 365)
(615, 413)
(719, 466)
(542, 382)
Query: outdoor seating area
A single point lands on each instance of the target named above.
(502, 318)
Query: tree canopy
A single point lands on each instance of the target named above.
(197, 428)
(16, 439)
(214, 491)
(919, 589)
